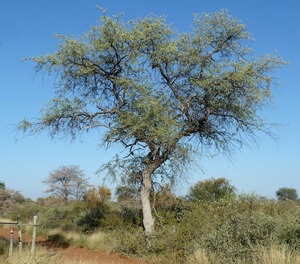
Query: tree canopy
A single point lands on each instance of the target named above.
(2, 185)
(67, 182)
(284, 194)
(158, 93)
(212, 190)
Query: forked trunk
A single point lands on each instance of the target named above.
(146, 187)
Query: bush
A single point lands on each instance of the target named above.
(62, 216)
(238, 236)
(212, 190)
(10, 201)
(91, 218)
(231, 229)
(289, 231)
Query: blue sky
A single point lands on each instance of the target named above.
(27, 28)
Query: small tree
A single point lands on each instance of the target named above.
(284, 194)
(212, 190)
(67, 182)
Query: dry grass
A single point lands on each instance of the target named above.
(278, 255)
(95, 241)
(202, 256)
(41, 256)
(273, 255)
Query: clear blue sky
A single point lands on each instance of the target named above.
(27, 28)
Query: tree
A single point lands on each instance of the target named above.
(212, 190)
(159, 94)
(2, 185)
(284, 194)
(67, 182)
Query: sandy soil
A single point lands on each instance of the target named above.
(75, 254)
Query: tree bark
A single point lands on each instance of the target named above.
(146, 187)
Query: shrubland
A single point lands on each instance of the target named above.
(230, 228)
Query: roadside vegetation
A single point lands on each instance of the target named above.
(212, 224)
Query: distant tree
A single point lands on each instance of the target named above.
(2, 185)
(284, 194)
(67, 182)
(212, 190)
(159, 94)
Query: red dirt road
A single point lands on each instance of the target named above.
(77, 255)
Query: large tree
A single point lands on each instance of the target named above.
(67, 182)
(159, 94)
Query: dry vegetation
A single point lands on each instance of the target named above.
(222, 228)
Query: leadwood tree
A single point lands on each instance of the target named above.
(66, 183)
(159, 94)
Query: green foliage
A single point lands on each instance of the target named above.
(2, 185)
(237, 237)
(10, 202)
(25, 212)
(60, 215)
(285, 193)
(212, 190)
(193, 91)
(289, 230)
(230, 230)
(90, 219)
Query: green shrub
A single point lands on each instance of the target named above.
(91, 218)
(289, 230)
(212, 190)
(239, 235)
(62, 216)
(231, 229)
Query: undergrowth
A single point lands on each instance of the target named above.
(230, 230)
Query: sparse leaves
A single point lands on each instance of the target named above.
(67, 182)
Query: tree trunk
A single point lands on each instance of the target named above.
(146, 187)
